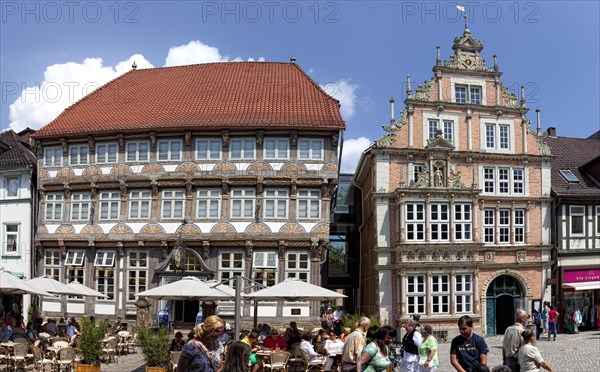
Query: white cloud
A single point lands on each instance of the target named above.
(197, 52)
(343, 91)
(351, 152)
(63, 85)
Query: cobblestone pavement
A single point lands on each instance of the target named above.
(569, 353)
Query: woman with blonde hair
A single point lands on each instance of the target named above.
(204, 352)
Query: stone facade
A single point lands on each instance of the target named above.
(460, 188)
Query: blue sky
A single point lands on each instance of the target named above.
(359, 51)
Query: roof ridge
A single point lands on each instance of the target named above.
(315, 84)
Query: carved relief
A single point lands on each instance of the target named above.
(121, 142)
(205, 249)
(521, 256)
(329, 168)
(293, 167)
(187, 138)
(292, 228)
(152, 229)
(281, 245)
(189, 229)
(225, 167)
(91, 144)
(65, 145)
(335, 140)
(490, 257)
(44, 174)
(153, 140)
(188, 188)
(42, 229)
(121, 229)
(154, 186)
(257, 228)
(92, 230)
(225, 138)
(249, 247)
(65, 229)
(65, 173)
(259, 167)
(294, 137)
(123, 189)
(225, 187)
(187, 168)
(223, 228)
(321, 230)
(260, 135)
(92, 171)
(121, 170)
(389, 138)
(153, 168)
(260, 186)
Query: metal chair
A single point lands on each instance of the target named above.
(278, 361)
(296, 359)
(316, 364)
(40, 359)
(65, 359)
(109, 351)
(19, 357)
(174, 356)
(5, 357)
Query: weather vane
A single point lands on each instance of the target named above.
(462, 9)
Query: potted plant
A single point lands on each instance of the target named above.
(155, 345)
(90, 344)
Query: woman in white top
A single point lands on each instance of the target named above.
(530, 359)
(333, 347)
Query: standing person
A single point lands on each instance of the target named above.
(428, 357)
(552, 316)
(545, 318)
(537, 320)
(467, 349)
(376, 355)
(410, 346)
(238, 355)
(338, 314)
(530, 358)
(354, 344)
(204, 353)
(512, 341)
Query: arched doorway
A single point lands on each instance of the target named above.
(504, 295)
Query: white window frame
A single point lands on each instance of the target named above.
(264, 265)
(75, 258)
(463, 97)
(54, 204)
(247, 148)
(518, 179)
(503, 180)
(492, 138)
(171, 154)
(211, 152)
(243, 202)
(80, 206)
(463, 293)
(107, 153)
(415, 225)
(448, 130)
(138, 199)
(470, 98)
(489, 226)
(577, 211)
(53, 156)
(137, 273)
(52, 267)
(468, 84)
(109, 205)
(308, 201)
(227, 265)
(440, 120)
(439, 222)
(504, 226)
(440, 293)
(432, 127)
(105, 258)
(11, 235)
(314, 148)
(297, 264)
(489, 180)
(80, 157)
(277, 151)
(598, 220)
(170, 200)
(416, 293)
(104, 263)
(275, 203)
(12, 183)
(463, 222)
(415, 170)
(133, 153)
(519, 225)
(211, 198)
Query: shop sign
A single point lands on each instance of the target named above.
(576, 276)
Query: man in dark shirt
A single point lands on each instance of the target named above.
(467, 349)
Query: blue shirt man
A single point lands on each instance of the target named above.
(467, 349)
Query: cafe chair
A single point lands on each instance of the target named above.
(109, 351)
(296, 359)
(174, 356)
(19, 356)
(278, 361)
(316, 364)
(65, 359)
(40, 360)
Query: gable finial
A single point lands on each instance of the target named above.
(438, 60)
(134, 66)
(408, 88)
(462, 9)
(293, 59)
(495, 62)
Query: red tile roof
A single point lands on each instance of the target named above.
(14, 152)
(213, 95)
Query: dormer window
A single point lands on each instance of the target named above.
(569, 176)
(467, 94)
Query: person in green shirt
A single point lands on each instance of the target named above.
(428, 358)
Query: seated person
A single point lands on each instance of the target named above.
(118, 326)
(177, 343)
(251, 339)
(5, 331)
(309, 348)
(295, 338)
(289, 330)
(72, 330)
(51, 326)
(319, 340)
(274, 341)
(333, 347)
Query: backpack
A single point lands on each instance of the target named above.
(537, 319)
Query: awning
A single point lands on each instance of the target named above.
(582, 286)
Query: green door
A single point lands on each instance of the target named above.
(490, 311)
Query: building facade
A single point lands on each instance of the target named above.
(211, 170)
(459, 194)
(17, 193)
(576, 229)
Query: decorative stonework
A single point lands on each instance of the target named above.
(154, 186)
(187, 138)
(205, 249)
(467, 62)
(389, 138)
(65, 145)
(282, 247)
(294, 138)
(121, 141)
(153, 168)
(65, 173)
(189, 229)
(123, 189)
(510, 99)
(92, 230)
(65, 229)
(187, 168)
(321, 230)
(152, 229)
(223, 228)
(521, 257)
(293, 167)
(249, 249)
(44, 174)
(520, 277)
(292, 228)
(257, 229)
(153, 140)
(92, 171)
(329, 168)
(259, 167)
(225, 166)
(260, 136)
(490, 257)
(188, 188)
(42, 229)
(424, 93)
(121, 229)
(121, 169)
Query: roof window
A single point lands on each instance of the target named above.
(569, 176)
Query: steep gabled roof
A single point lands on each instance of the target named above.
(573, 154)
(214, 95)
(14, 153)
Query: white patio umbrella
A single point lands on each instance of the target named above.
(10, 284)
(293, 289)
(188, 288)
(84, 290)
(52, 285)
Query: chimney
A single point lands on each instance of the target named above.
(552, 131)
